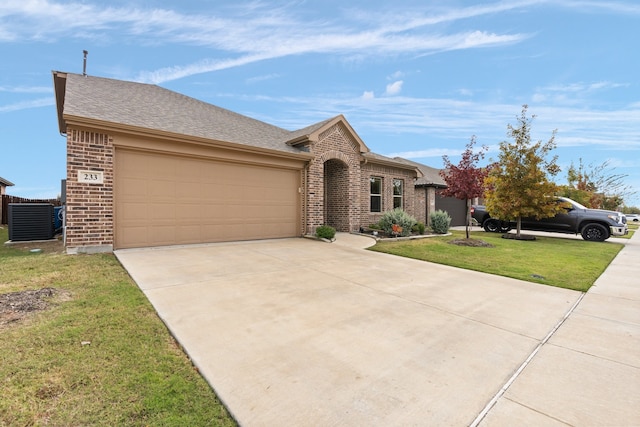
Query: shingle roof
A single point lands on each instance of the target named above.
(395, 162)
(6, 182)
(308, 130)
(153, 107)
(431, 176)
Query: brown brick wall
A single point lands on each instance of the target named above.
(89, 207)
(420, 204)
(388, 174)
(342, 153)
(336, 175)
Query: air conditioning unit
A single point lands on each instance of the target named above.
(30, 221)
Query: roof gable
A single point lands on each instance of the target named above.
(311, 134)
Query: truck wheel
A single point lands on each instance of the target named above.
(595, 233)
(491, 225)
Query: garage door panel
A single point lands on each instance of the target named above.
(211, 191)
(456, 208)
(131, 186)
(158, 212)
(189, 233)
(134, 212)
(165, 200)
(162, 189)
(187, 171)
(134, 234)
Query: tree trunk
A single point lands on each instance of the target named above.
(468, 218)
(519, 223)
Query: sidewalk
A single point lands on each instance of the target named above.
(588, 373)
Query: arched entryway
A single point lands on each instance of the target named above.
(336, 192)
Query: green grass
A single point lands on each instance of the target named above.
(566, 263)
(132, 373)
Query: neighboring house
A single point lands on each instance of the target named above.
(429, 198)
(3, 186)
(3, 190)
(148, 167)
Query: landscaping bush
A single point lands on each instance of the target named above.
(419, 228)
(440, 221)
(402, 220)
(326, 232)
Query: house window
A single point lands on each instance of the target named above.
(398, 190)
(375, 193)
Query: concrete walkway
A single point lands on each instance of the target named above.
(300, 332)
(588, 374)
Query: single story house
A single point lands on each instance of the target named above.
(429, 190)
(3, 191)
(147, 166)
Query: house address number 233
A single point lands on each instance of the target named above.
(91, 177)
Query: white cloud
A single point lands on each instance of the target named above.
(394, 88)
(623, 163)
(238, 37)
(266, 77)
(26, 89)
(572, 93)
(581, 87)
(539, 98)
(455, 121)
(177, 72)
(23, 105)
(368, 95)
(591, 6)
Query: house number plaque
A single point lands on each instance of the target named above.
(91, 177)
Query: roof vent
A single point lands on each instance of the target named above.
(84, 63)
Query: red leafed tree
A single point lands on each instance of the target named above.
(465, 181)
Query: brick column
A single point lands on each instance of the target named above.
(89, 208)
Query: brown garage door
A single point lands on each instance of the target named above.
(456, 208)
(167, 200)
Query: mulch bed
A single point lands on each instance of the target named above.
(15, 306)
(471, 242)
(526, 237)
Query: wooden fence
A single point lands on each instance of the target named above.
(6, 199)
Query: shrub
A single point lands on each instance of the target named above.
(440, 221)
(400, 219)
(419, 228)
(326, 232)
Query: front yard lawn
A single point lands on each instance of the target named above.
(97, 354)
(566, 263)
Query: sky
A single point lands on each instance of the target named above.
(414, 78)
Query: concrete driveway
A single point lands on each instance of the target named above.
(301, 332)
